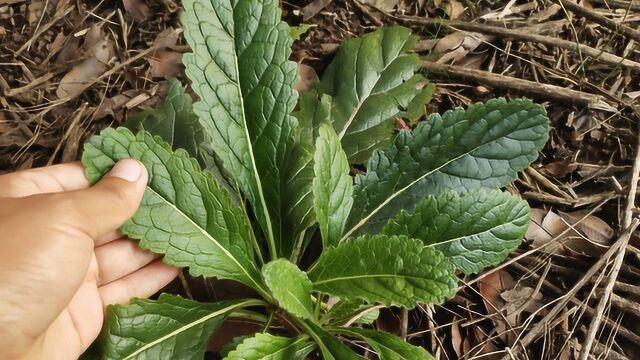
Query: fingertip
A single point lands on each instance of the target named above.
(130, 170)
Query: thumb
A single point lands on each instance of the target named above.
(104, 207)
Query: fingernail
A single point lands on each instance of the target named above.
(127, 169)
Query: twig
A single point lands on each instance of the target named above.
(525, 86)
(618, 4)
(602, 20)
(519, 35)
(617, 264)
(367, 13)
(541, 326)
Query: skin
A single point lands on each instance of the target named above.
(62, 259)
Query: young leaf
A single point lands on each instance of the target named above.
(483, 146)
(332, 186)
(170, 327)
(298, 199)
(184, 214)
(329, 346)
(290, 286)
(372, 80)
(391, 270)
(174, 121)
(240, 70)
(475, 230)
(268, 347)
(385, 345)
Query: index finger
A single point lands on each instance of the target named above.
(49, 179)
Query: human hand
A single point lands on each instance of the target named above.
(62, 259)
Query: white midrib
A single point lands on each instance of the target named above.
(366, 276)
(263, 201)
(185, 328)
(395, 194)
(365, 97)
(208, 236)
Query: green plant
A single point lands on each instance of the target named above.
(278, 189)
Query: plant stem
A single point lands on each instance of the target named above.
(297, 251)
(316, 310)
(267, 323)
(249, 315)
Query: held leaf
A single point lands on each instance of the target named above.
(240, 70)
(483, 146)
(391, 270)
(168, 328)
(385, 345)
(290, 286)
(264, 346)
(372, 80)
(332, 186)
(475, 230)
(184, 213)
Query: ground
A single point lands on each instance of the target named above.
(69, 68)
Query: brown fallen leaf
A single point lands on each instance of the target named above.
(457, 45)
(167, 39)
(588, 237)
(307, 77)
(34, 11)
(83, 74)
(453, 8)
(385, 5)
(491, 288)
(165, 64)
(138, 9)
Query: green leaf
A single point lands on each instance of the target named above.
(475, 230)
(268, 347)
(372, 81)
(174, 121)
(297, 31)
(483, 146)
(290, 286)
(298, 199)
(330, 347)
(168, 328)
(391, 270)
(385, 345)
(240, 70)
(348, 309)
(332, 186)
(184, 213)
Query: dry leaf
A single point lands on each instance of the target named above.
(83, 74)
(491, 288)
(34, 11)
(307, 77)
(138, 10)
(457, 45)
(384, 5)
(165, 64)
(454, 9)
(588, 237)
(167, 38)
(456, 337)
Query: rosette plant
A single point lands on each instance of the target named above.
(321, 206)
